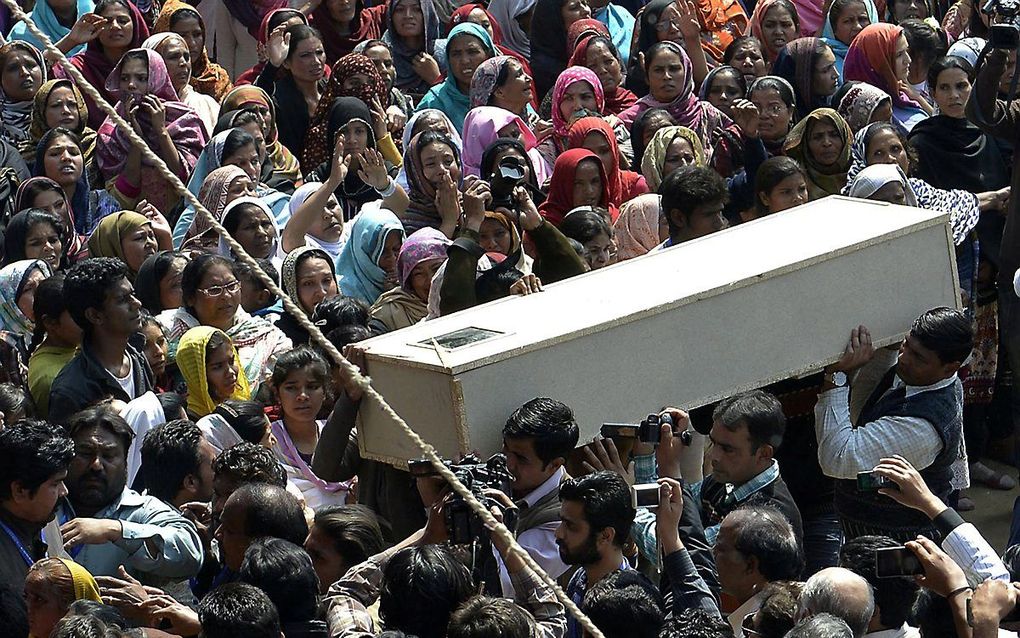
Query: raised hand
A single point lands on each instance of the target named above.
(426, 67)
(448, 199)
(745, 115)
(87, 28)
(530, 218)
(373, 169)
(278, 46)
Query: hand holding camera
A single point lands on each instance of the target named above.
(667, 518)
(908, 488)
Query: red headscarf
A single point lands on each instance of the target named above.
(586, 28)
(623, 185)
(367, 25)
(870, 59)
(619, 100)
(561, 188)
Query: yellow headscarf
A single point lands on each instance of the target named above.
(655, 153)
(191, 362)
(105, 240)
(85, 587)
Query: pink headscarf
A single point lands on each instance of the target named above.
(481, 128)
(568, 78)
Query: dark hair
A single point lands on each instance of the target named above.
(822, 625)
(296, 359)
(759, 411)
(47, 139)
(282, 15)
(283, 570)
(353, 529)
(693, 622)
(1011, 559)
(771, 172)
(232, 219)
(737, 76)
(15, 401)
(495, 283)
(605, 499)
(773, 83)
(585, 226)
(248, 418)
(933, 615)
(790, 8)
(436, 137)
(236, 139)
(741, 40)
(299, 33)
(110, 616)
(238, 609)
(548, 423)
(250, 463)
(31, 452)
(656, 49)
(779, 608)
(948, 332)
(270, 510)
(340, 310)
(924, 42)
(837, 8)
(24, 222)
(894, 19)
(13, 614)
(170, 452)
(488, 617)
(49, 303)
(767, 535)
(601, 39)
(343, 336)
(502, 144)
(150, 276)
(893, 596)
(688, 187)
(184, 14)
(245, 270)
(881, 127)
(172, 403)
(140, 56)
(33, 189)
(102, 416)
(195, 271)
(944, 64)
(625, 604)
(421, 588)
(637, 132)
(87, 285)
(80, 627)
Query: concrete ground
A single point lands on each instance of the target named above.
(994, 509)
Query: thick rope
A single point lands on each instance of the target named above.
(351, 372)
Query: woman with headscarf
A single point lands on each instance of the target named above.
(484, 125)
(670, 148)
(843, 21)
(776, 23)
(367, 265)
(809, 65)
(22, 73)
(578, 93)
(44, 193)
(344, 24)
(126, 236)
(285, 164)
(666, 21)
(407, 303)
(60, 157)
(18, 282)
(51, 585)
(578, 179)
(60, 103)
(506, 148)
(599, 54)
(549, 25)
(477, 13)
(174, 51)
(207, 77)
(36, 234)
(126, 30)
(433, 167)
(412, 28)
(466, 47)
(220, 187)
(863, 104)
(504, 82)
(56, 27)
(884, 183)
(643, 128)
(250, 223)
(594, 134)
(308, 276)
(173, 130)
(421, 122)
(514, 20)
(821, 144)
(640, 227)
(878, 55)
(277, 18)
(158, 282)
(316, 220)
(211, 367)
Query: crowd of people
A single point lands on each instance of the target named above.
(178, 456)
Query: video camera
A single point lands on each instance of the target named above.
(462, 524)
(648, 431)
(1004, 34)
(508, 174)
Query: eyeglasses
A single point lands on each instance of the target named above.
(662, 27)
(772, 109)
(216, 291)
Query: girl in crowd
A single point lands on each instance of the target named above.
(809, 65)
(60, 103)
(174, 51)
(599, 54)
(299, 52)
(473, 12)
(421, 122)
(344, 24)
(221, 186)
(775, 23)
(129, 237)
(845, 19)
(879, 56)
(549, 50)
(484, 125)
(670, 148)
(864, 104)
(36, 234)
(780, 183)
(399, 107)
(124, 30)
(504, 148)
(642, 130)
(412, 28)
(282, 19)
(18, 282)
(54, 342)
(666, 21)
(467, 46)
(234, 421)
(777, 108)
(22, 73)
(158, 282)
(309, 276)
(51, 585)
(746, 55)
(317, 220)
(59, 157)
(45, 194)
(722, 87)
(594, 134)
(883, 183)
(432, 163)
(212, 370)
(300, 381)
(821, 144)
(588, 227)
(578, 92)
(925, 44)
(282, 164)
(154, 348)
(407, 303)
(578, 179)
(207, 77)
(514, 20)
(503, 82)
(147, 99)
(367, 266)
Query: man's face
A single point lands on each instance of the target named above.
(39, 507)
(233, 535)
(703, 220)
(731, 565)
(98, 471)
(120, 312)
(919, 366)
(204, 476)
(328, 563)
(528, 470)
(578, 546)
(734, 459)
(222, 487)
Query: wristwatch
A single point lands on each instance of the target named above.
(837, 378)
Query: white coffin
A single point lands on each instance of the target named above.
(748, 306)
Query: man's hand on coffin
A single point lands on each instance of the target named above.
(858, 352)
(526, 285)
(911, 490)
(601, 454)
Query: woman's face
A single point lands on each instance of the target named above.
(390, 252)
(217, 311)
(255, 232)
(437, 159)
(893, 192)
(355, 82)
(901, 59)
(652, 125)
(54, 202)
(778, 28)
(951, 92)
(579, 96)
(668, 26)
(191, 30)
(138, 245)
(479, 17)
(247, 159)
(573, 10)
(301, 395)
(134, 77)
(515, 93)
(587, 184)
(119, 29)
(851, 21)
(330, 225)
(27, 297)
(355, 138)
(905, 9)
(825, 79)
(382, 58)
(494, 237)
(221, 372)
(748, 59)
(315, 282)
(156, 347)
(597, 143)
(170, 293)
(62, 109)
(724, 90)
(788, 193)
(178, 62)
(600, 251)
(45, 608)
(465, 53)
(341, 11)
(63, 162)
(600, 59)
(307, 61)
(240, 186)
(666, 76)
(824, 143)
(22, 75)
(678, 153)
(774, 116)
(408, 19)
(421, 278)
(43, 242)
(882, 112)
(885, 147)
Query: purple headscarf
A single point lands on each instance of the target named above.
(420, 246)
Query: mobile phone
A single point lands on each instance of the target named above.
(619, 430)
(645, 495)
(871, 482)
(896, 561)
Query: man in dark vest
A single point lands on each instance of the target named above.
(537, 438)
(916, 411)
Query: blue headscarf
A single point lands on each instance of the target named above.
(48, 23)
(447, 97)
(829, 34)
(357, 268)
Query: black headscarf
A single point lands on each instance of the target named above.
(548, 44)
(488, 163)
(647, 36)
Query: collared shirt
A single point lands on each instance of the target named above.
(539, 542)
(157, 544)
(969, 549)
(844, 450)
(903, 631)
(738, 493)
